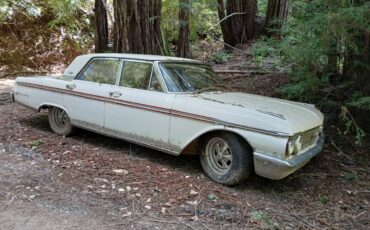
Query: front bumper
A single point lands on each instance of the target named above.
(276, 168)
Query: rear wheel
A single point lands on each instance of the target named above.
(226, 158)
(59, 121)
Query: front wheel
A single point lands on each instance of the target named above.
(226, 158)
(59, 121)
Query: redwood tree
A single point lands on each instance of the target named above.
(277, 13)
(225, 26)
(101, 27)
(183, 45)
(239, 25)
(137, 26)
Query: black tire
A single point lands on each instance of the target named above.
(233, 165)
(60, 122)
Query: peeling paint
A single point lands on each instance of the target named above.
(222, 102)
(142, 140)
(272, 114)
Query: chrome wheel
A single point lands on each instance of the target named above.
(59, 121)
(220, 155)
(60, 117)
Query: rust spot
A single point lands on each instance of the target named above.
(158, 143)
(192, 149)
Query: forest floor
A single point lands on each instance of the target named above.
(90, 181)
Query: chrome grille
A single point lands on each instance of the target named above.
(310, 137)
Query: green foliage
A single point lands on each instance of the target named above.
(350, 176)
(204, 10)
(324, 199)
(307, 41)
(322, 45)
(260, 216)
(221, 57)
(170, 12)
(262, 7)
(351, 125)
(264, 53)
(37, 143)
(362, 103)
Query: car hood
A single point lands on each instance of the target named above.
(254, 111)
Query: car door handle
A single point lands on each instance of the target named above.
(70, 86)
(115, 94)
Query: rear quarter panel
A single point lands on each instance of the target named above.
(34, 92)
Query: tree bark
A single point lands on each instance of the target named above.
(101, 27)
(137, 26)
(277, 13)
(225, 27)
(242, 25)
(183, 45)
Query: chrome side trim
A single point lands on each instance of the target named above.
(157, 109)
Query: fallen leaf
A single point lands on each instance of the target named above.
(192, 202)
(212, 196)
(120, 171)
(101, 180)
(127, 214)
(192, 192)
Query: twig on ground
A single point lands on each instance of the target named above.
(338, 149)
(171, 222)
(305, 222)
(28, 115)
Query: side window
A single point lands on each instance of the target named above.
(101, 71)
(136, 75)
(155, 85)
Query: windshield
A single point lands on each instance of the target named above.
(188, 77)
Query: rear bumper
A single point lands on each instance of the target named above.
(276, 168)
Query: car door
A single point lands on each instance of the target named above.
(140, 109)
(86, 94)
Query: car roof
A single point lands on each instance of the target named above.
(80, 61)
(145, 57)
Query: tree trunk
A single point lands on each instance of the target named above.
(225, 27)
(137, 26)
(277, 13)
(183, 45)
(242, 25)
(101, 27)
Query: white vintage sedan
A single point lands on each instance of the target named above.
(178, 106)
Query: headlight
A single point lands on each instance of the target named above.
(290, 147)
(294, 145)
(298, 144)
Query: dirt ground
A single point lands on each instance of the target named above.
(90, 181)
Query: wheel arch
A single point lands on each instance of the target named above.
(193, 147)
(48, 105)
